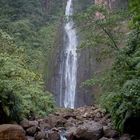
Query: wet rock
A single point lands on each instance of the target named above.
(89, 131)
(26, 123)
(56, 121)
(44, 126)
(53, 135)
(30, 138)
(103, 121)
(69, 115)
(132, 125)
(84, 123)
(70, 122)
(31, 131)
(104, 138)
(70, 133)
(109, 132)
(12, 132)
(40, 135)
(125, 137)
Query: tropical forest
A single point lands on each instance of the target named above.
(69, 69)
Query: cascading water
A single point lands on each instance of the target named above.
(70, 62)
(62, 137)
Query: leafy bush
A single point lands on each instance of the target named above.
(21, 90)
(123, 99)
(124, 104)
(121, 83)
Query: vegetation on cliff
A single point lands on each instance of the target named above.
(121, 82)
(27, 34)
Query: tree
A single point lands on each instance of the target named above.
(120, 84)
(21, 90)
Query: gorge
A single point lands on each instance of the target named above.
(69, 70)
(67, 61)
(65, 81)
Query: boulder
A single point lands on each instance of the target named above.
(30, 138)
(104, 138)
(70, 133)
(89, 130)
(70, 123)
(110, 133)
(69, 115)
(56, 121)
(26, 123)
(31, 131)
(40, 135)
(53, 135)
(125, 137)
(44, 126)
(12, 132)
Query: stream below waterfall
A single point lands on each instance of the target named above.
(62, 137)
(69, 74)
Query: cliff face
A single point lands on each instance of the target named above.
(88, 65)
(113, 4)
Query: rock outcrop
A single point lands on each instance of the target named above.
(113, 4)
(12, 132)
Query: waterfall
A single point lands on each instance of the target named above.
(70, 62)
(62, 137)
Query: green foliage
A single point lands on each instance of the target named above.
(121, 83)
(21, 90)
(27, 34)
(124, 103)
(135, 10)
(101, 27)
(24, 21)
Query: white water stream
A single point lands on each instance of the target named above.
(62, 137)
(70, 73)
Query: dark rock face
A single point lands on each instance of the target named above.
(54, 64)
(86, 66)
(31, 131)
(132, 126)
(87, 63)
(114, 4)
(85, 71)
(119, 4)
(110, 133)
(12, 132)
(125, 137)
(53, 135)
